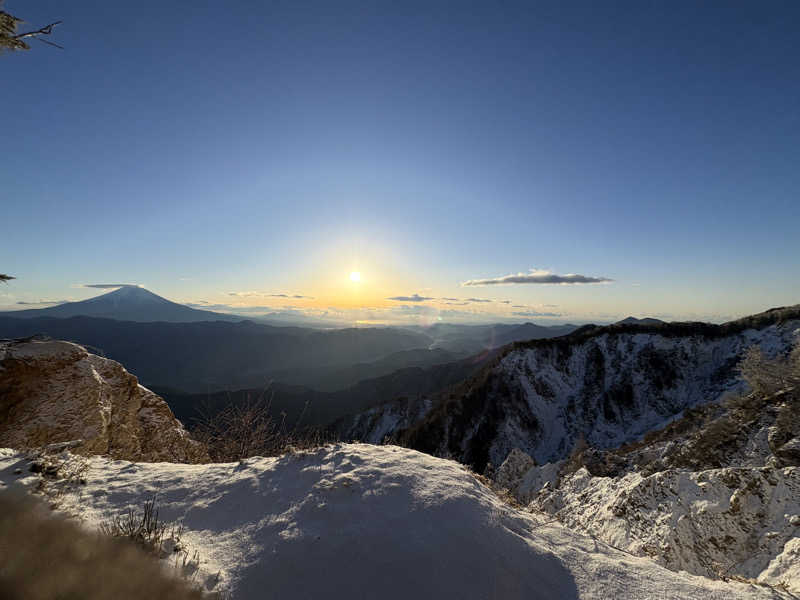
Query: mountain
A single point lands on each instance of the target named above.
(128, 303)
(644, 321)
(206, 354)
(605, 385)
(333, 378)
(306, 407)
(471, 339)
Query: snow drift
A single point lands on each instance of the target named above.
(360, 521)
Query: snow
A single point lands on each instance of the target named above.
(362, 521)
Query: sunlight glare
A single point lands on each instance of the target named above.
(355, 276)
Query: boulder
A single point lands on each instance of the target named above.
(54, 391)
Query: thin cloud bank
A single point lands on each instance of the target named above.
(533, 313)
(413, 298)
(290, 296)
(105, 286)
(265, 295)
(43, 302)
(537, 276)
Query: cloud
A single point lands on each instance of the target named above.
(533, 313)
(450, 299)
(298, 296)
(413, 298)
(43, 302)
(266, 295)
(104, 286)
(537, 276)
(478, 300)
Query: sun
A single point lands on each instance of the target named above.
(355, 276)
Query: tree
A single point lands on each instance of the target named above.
(6, 278)
(10, 40)
(768, 376)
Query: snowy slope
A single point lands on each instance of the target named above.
(359, 521)
(609, 386)
(735, 521)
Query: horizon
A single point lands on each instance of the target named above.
(547, 164)
(292, 318)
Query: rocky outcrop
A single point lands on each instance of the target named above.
(54, 391)
(736, 521)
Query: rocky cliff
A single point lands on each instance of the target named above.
(54, 391)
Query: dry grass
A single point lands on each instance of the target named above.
(145, 530)
(45, 557)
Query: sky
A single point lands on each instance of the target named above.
(537, 161)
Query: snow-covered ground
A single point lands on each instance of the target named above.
(360, 521)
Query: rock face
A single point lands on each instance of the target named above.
(54, 391)
(736, 521)
(607, 385)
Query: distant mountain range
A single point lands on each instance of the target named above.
(644, 321)
(192, 356)
(128, 303)
(170, 345)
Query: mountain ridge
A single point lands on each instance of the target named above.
(610, 384)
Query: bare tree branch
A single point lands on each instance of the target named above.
(46, 30)
(50, 43)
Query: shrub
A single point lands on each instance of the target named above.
(768, 376)
(245, 429)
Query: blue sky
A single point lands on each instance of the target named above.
(223, 153)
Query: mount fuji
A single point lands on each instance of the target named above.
(127, 303)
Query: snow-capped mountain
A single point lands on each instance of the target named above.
(127, 303)
(605, 385)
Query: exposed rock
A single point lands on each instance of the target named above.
(53, 391)
(514, 467)
(717, 523)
